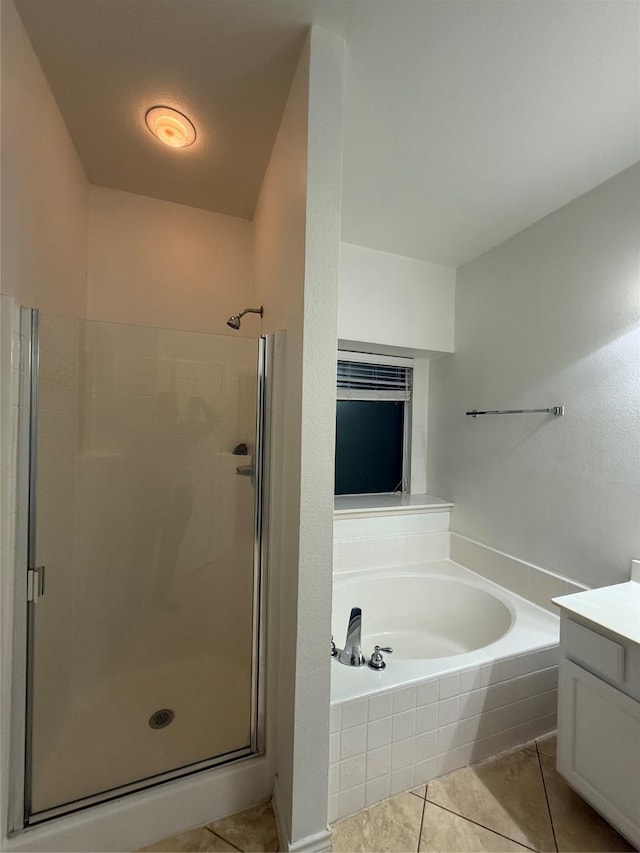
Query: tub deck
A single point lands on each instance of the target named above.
(533, 628)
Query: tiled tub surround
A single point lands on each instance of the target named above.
(393, 740)
(368, 537)
(406, 530)
(419, 719)
(531, 582)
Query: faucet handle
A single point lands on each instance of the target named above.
(377, 661)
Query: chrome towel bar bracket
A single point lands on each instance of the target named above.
(556, 411)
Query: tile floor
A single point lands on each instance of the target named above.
(513, 802)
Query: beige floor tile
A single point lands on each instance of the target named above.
(253, 830)
(420, 791)
(577, 826)
(444, 832)
(504, 794)
(389, 827)
(547, 745)
(194, 841)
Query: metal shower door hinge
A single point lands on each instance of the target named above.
(35, 583)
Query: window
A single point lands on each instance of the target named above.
(373, 424)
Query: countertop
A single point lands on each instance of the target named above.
(616, 608)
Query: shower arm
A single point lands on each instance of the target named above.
(259, 311)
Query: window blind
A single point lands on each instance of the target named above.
(359, 380)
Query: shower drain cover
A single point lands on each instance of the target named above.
(160, 719)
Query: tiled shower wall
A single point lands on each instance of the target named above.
(142, 519)
(161, 413)
(57, 440)
(143, 400)
(127, 417)
(393, 741)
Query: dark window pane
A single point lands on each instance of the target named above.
(369, 442)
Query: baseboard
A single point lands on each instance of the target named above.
(320, 842)
(283, 835)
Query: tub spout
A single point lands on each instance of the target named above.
(352, 655)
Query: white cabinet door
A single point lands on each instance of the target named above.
(599, 746)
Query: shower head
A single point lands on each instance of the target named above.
(234, 321)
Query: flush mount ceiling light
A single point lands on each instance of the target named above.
(170, 127)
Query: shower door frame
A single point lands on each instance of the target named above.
(28, 585)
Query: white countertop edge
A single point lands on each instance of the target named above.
(615, 608)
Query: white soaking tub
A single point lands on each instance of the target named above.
(423, 615)
(473, 672)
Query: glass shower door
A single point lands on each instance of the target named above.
(143, 648)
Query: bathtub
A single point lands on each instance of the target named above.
(473, 672)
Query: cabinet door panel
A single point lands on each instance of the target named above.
(599, 746)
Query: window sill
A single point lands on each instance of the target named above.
(360, 506)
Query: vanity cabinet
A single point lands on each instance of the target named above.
(599, 716)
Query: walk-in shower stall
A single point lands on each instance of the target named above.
(142, 480)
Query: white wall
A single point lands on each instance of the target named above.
(44, 221)
(280, 221)
(550, 317)
(156, 263)
(44, 188)
(395, 301)
(296, 271)
(322, 262)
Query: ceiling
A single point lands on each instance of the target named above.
(465, 120)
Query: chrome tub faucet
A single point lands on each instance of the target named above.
(352, 655)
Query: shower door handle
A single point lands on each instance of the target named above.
(35, 584)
